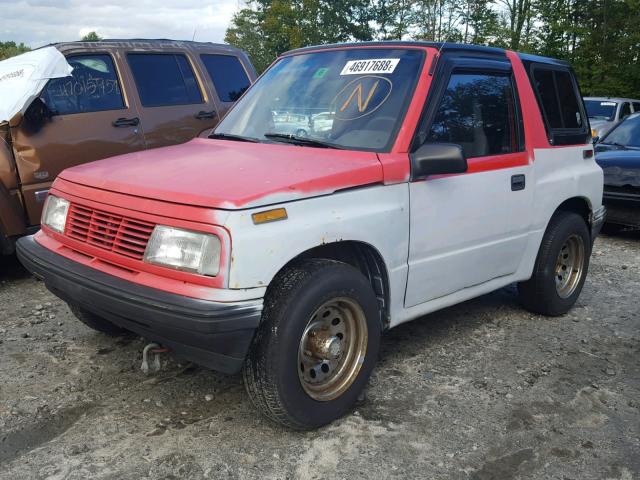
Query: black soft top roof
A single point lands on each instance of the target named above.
(444, 46)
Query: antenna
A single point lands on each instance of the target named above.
(442, 46)
(436, 58)
(194, 34)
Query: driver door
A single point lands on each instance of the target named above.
(471, 228)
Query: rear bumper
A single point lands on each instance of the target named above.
(216, 335)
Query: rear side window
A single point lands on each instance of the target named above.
(569, 106)
(636, 107)
(625, 110)
(477, 112)
(92, 87)
(546, 88)
(164, 79)
(228, 76)
(561, 105)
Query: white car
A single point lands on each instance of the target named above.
(322, 122)
(606, 112)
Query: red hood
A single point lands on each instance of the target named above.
(228, 174)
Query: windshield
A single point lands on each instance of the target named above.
(626, 133)
(353, 99)
(601, 110)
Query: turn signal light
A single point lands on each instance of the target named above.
(269, 216)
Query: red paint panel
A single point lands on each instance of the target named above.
(396, 165)
(138, 204)
(135, 266)
(229, 175)
(414, 112)
(497, 162)
(535, 134)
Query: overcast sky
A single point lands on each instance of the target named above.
(39, 22)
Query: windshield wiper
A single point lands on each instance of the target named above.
(230, 136)
(304, 141)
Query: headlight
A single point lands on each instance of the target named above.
(55, 212)
(184, 250)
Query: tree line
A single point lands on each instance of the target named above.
(11, 49)
(600, 38)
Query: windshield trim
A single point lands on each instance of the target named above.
(406, 103)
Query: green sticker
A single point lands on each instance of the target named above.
(320, 73)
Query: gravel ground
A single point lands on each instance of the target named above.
(482, 390)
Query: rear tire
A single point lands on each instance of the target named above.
(561, 266)
(96, 322)
(316, 346)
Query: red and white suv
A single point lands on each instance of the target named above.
(440, 172)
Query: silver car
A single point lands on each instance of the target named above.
(605, 112)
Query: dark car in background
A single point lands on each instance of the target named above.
(618, 153)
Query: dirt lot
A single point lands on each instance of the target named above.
(480, 391)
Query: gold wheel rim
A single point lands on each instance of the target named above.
(569, 266)
(332, 349)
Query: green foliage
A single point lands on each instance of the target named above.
(600, 38)
(266, 28)
(11, 49)
(91, 37)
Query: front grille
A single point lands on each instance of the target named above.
(105, 230)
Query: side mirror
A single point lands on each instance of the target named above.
(595, 139)
(438, 159)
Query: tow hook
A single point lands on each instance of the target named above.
(154, 366)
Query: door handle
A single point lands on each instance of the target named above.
(126, 122)
(202, 115)
(518, 182)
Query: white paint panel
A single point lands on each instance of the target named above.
(470, 233)
(378, 216)
(465, 230)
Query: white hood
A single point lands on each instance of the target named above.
(22, 78)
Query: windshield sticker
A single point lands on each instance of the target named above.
(607, 104)
(320, 73)
(361, 96)
(375, 65)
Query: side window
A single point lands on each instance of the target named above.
(560, 103)
(546, 88)
(92, 87)
(625, 110)
(636, 107)
(477, 111)
(164, 79)
(569, 106)
(228, 76)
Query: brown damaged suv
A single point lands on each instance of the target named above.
(123, 96)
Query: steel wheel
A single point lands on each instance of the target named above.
(569, 266)
(332, 349)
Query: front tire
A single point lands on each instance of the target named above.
(561, 266)
(316, 346)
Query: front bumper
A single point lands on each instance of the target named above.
(623, 208)
(216, 335)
